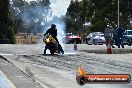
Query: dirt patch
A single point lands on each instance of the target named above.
(27, 39)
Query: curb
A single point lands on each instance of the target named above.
(9, 83)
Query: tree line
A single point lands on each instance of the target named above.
(15, 16)
(30, 16)
(82, 16)
(7, 25)
(94, 15)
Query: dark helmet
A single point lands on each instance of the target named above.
(53, 26)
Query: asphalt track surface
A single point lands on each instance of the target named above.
(59, 71)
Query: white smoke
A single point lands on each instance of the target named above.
(59, 7)
(46, 16)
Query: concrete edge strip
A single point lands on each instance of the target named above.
(11, 85)
(38, 82)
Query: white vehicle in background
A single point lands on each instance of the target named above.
(96, 38)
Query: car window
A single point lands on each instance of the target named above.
(98, 34)
(129, 32)
(90, 35)
(70, 34)
(74, 35)
(94, 34)
(102, 35)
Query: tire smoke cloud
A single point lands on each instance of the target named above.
(38, 17)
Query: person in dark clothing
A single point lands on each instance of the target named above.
(53, 31)
(120, 32)
(120, 35)
(115, 37)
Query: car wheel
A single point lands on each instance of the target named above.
(94, 41)
(129, 42)
(80, 42)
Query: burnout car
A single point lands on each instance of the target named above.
(95, 38)
(71, 38)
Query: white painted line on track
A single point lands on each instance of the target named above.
(5, 82)
(24, 54)
(2, 54)
(68, 53)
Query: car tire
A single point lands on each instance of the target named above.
(80, 42)
(129, 42)
(94, 41)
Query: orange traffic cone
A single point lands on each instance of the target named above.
(75, 45)
(109, 50)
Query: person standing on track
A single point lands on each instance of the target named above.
(120, 37)
(108, 34)
(115, 37)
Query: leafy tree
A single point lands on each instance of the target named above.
(78, 15)
(30, 16)
(99, 13)
(73, 16)
(7, 26)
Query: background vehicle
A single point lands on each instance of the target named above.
(128, 37)
(71, 38)
(95, 38)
